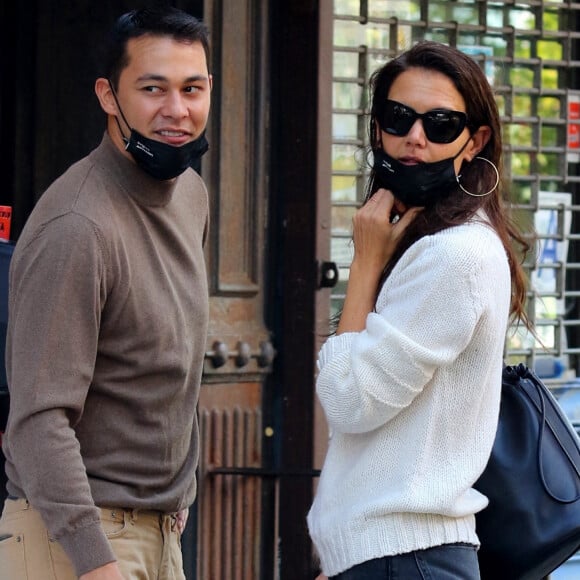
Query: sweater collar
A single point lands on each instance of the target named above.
(139, 185)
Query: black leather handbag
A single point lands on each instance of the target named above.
(532, 480)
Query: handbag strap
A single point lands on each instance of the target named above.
(542, 428)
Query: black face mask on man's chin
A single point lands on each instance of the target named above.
(163, 161)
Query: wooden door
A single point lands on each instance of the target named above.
(240, 351)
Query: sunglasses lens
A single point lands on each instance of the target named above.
(397, 119)
(443, 126)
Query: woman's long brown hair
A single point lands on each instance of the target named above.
(478, 176)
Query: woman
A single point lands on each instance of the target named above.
(410, 383)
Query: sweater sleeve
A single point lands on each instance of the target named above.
(56, 290)
(425, 316)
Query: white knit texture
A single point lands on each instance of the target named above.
(412, 403)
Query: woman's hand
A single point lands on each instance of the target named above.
(377, 228)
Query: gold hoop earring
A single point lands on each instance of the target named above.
(487, 192)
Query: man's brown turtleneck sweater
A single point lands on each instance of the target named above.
(106, 340)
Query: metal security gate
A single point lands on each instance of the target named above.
(529, 51)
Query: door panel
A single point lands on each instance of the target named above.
(230, 505)
(240, 354)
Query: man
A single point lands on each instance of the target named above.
(107, 326)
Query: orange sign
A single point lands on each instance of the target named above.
(5, 219)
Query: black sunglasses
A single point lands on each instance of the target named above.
(440, 125)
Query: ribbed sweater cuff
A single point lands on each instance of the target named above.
(342, 547)
(88, 548)
(335, 345)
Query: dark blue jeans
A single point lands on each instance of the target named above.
(447, 562)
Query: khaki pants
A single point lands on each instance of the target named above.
(144, 542)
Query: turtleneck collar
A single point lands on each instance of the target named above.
(143, 188)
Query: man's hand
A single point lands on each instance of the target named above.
(181, 520)
(109, 571)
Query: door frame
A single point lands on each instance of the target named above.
(301, 104)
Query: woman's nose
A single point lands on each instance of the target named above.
(416, 134)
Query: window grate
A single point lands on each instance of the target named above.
(530, 53)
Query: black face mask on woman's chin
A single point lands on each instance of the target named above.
(416, 185)
(160, 160)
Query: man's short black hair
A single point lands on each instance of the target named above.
(159, 21)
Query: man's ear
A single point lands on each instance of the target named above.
(105, 95)
(478, 141)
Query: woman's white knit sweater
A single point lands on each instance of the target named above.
(412, 403)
